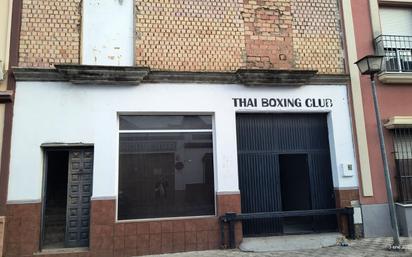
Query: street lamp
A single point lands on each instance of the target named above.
(371, 65)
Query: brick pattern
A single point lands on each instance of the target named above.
(268, 34)
(185, 35)
(316, 36)
(257, 34)
(205, 35)
(50, 33)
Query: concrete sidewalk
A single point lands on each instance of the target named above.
(371, 247)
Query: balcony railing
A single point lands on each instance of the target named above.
(397, 52)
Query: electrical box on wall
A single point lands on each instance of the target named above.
(347, 170)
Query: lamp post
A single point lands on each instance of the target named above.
(371, 65)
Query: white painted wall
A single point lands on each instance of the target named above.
(89, 114)
(103, 43)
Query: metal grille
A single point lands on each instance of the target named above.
(397, 52)
(403, 159)
(262, 138)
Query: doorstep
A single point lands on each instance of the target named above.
(59, 251)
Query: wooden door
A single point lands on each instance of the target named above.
(79, 192)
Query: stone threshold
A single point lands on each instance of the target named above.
(62, 251)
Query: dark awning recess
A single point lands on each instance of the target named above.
(6, 96)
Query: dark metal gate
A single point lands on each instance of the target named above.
(79, 192)
(261, 139)
(403, 158)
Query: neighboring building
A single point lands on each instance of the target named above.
(384, 28)
(138, 123)
(5, 99)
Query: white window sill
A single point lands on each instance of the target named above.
(395, 77)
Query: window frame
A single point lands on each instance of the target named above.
(119, 131)
(396, 42)
(402, 147)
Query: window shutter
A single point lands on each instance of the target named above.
(396, 21)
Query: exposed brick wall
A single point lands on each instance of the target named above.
(316, 36)
(268, 34)
(50, 32)
(189, 35)
(198, 35)
(232, 34)
(293, 34)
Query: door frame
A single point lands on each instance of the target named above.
(46, 148)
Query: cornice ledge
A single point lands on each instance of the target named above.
(191, 77)
(112, 75)
(395, 77)
(330, 79)
(84, 74)
(396, 122)
(36, 74)
(102, 75)
(254, 77)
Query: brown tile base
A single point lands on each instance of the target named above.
(22, 235)
(343, 199)
(111, 239)
(156, 237)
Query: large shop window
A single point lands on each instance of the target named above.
(403, 158)
(165, 166)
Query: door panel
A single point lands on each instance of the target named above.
(261, 139)
(78, 197)
(323, 194)
(260, 191)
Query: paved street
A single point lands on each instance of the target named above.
(359, 248)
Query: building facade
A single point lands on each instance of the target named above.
(5, 100)
(136, 124)
(385, 31)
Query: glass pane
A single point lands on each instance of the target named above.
(165, 175)
(406, 59)
(142, 122)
